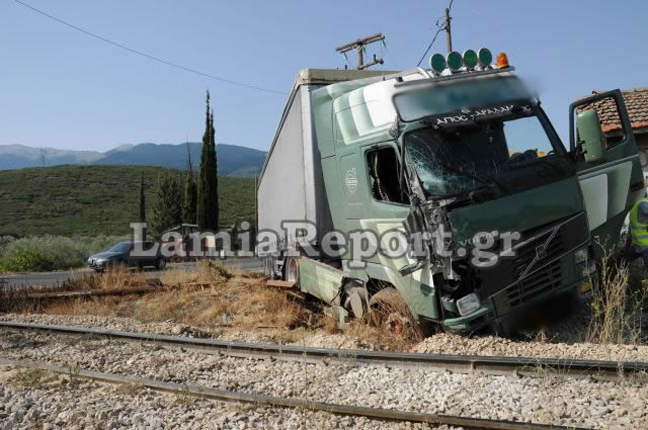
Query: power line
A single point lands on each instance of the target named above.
(143, 54)
(443, 24)
(429, 47)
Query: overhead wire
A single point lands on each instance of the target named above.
(150, 57)
(441, 26)
(429, 47)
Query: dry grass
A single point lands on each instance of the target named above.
(210, 296)
(32, 378)
(617, 307)
(17, 300)
(227, 303)
(112, 278)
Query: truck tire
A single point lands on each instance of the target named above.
(160, 263)
(388, 309)
(291, 270)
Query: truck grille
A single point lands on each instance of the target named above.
(531, 287)
(527, 254)
(537, 260)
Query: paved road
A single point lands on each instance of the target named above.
(50, 278)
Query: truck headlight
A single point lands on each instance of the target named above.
(581, 255)
(467, 304)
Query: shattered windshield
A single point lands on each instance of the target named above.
(502, 148)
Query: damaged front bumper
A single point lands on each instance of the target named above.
(487, 315)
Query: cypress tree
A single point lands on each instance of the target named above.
(142, 206)
(191, 193)
(167, 208)
(208, 184)
(214, 176)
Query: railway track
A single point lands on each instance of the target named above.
(526, 366)
(258, 399)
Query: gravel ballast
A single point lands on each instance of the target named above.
(56, 403)
(441, 343)
(549, 398)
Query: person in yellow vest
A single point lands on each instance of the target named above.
(639, 231)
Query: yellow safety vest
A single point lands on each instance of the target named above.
(638, 229)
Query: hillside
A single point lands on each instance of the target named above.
(232, 160)
(94, 200)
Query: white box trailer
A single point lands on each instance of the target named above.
(291, 186)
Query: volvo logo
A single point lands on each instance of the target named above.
(540, 253)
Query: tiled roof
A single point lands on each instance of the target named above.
(636, 101)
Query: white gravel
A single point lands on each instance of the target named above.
(550, 398)
(440, 343)
(55, 403)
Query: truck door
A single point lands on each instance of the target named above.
(612, 183)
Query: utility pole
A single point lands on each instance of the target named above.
(359, 45)
(448, 30)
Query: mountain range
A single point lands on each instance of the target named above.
(232, 160)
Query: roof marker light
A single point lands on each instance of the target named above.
(437, 63)
(470, 58)
(485, 57)
(454, 60)
(502, 61)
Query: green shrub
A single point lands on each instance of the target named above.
(27, 260)
(45, 253)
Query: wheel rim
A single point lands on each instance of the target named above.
(161, 263)
(292, 271)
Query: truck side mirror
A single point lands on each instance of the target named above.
(590, 135)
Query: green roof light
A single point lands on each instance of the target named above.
(454, 60)
(437, 63)
(470, 58)
(485, 57)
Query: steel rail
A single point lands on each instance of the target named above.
(293, 403)
(527, 366)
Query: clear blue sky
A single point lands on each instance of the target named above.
(63, 89)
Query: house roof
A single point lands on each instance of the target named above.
(636, 101)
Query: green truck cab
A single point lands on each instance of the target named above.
(447, 189)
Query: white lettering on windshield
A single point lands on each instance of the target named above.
(481, 113)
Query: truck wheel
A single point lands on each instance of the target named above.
(160, 264)
(388, 309)
(291, 270)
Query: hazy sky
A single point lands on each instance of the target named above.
(63, 89)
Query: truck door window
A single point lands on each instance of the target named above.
(526, 138)
(611, 123)
(384, 170)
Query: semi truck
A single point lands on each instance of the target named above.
(446, 190)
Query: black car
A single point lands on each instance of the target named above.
(124, 255)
